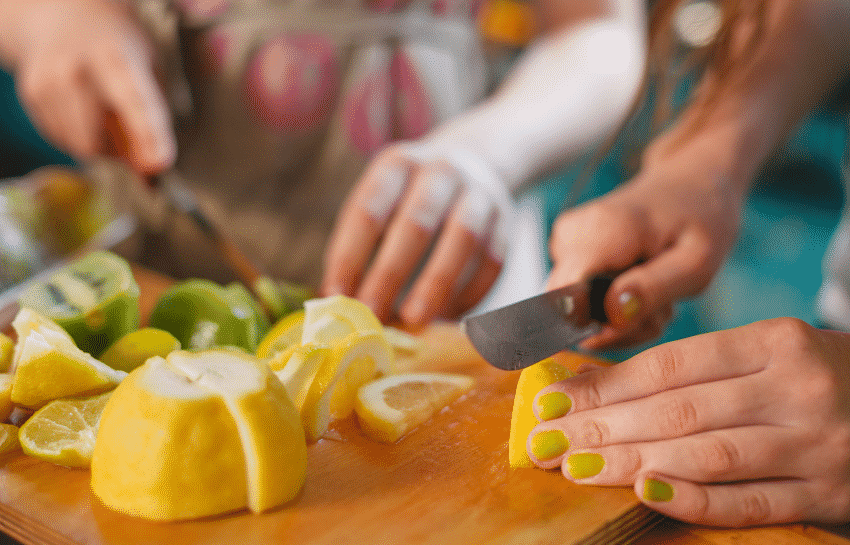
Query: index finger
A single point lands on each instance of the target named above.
(694, 360)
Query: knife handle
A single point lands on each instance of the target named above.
(599, 286)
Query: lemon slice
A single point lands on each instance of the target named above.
(198, 434)
(403, 342)
(353, 316)
(391, 406)
(285, 333)
(7, 348)
(532, 379)
(49, 366)
(9, 438)
(27, 320)
(134, 348)
(296, 367)
(352, 362)
(6, 405)
(63, 431)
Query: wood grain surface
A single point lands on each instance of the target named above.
(446, 482)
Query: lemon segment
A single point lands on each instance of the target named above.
(285, 333)
(199, 434)
(403, 342)
(134, 348)
(296, 367)
(27, 320)
(334, 386)
(50, 367)
(6, 405)
(319, 313)
(7, 348)
(63, 431)
(391, 406)
(9, 438)
(532, 379)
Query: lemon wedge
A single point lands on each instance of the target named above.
(6, 405)
(391, 406)
(285, 333)
(49, 366)
(532, 379)
(134, 348)
(296, 367)
(330, 319)
(9, 438)
(63, 431)
(7, 347)
(352, 362)
(402, 341)
(198, 434)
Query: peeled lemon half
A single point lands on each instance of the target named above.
(391, 406)
(198, 434)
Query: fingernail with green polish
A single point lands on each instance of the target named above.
(549, 444)
(629, 305)
(585, 464)
(553, 405)
(655, 490)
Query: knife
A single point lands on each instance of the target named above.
(523, 333)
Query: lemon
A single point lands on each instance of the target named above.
(391, 406)
(351, 315)
(403, 342)
(95, 299)
(7, 347)
(198, 434)
(134, 348)
(27, 320)
(49, 366)
(9, 438)
(296, 367)
(532, 379)
(63, 431)
(6, 405)
(352, 362)
(286, 332)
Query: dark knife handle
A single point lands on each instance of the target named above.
(599, 286)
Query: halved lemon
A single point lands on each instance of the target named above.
(49, 366)
(391, 406)
(7, 348)
(296, 367)
(351, 363)
(9, 438)
(198, 434)
(285, 333)
(64, 431)
(532, 379)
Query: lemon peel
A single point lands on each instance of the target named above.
(388, 408)
(7, 348)
(285, 333)
(9, 441)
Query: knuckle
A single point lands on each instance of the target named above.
(677, 417)
(662, 367)
(718, 457)
(595, 433)
(589, 395)
(793, 335)
(754, 507)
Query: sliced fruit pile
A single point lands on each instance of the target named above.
(222, 425)
(332, 358)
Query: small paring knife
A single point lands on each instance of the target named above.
(523, 333)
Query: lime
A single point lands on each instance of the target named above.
(95, 299)
(134, 348)
(281, 298)
(202, 314)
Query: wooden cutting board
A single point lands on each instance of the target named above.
(446, 482)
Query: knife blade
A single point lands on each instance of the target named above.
(523, 333)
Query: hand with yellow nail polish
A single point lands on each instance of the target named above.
(748, 426)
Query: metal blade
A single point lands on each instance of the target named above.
(521, 334)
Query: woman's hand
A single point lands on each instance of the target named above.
(411, 205)
(669, 229)
(740, 427)
(84, 73)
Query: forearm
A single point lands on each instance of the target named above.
(568, 92)
(803, 55)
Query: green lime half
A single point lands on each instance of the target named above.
(202, 314)
(96, 300)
